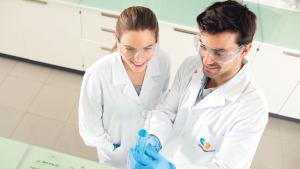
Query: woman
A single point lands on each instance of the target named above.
(118, 90)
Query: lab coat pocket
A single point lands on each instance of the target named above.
(116, 158)
(103, 156)
(114, 129)
(199, 146)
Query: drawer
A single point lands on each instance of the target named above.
(105, 38)
(92, 51)
(108, 20)
(98, 26)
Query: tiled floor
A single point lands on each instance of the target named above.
(38, 105)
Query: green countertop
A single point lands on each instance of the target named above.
(42, 158)
(17, 155)
(11, 153)
(274, 25)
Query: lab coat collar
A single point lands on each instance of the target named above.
(195, 86)
(120, 77)
(229, 91)
(151, 76)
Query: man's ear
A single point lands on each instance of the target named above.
(246, 49)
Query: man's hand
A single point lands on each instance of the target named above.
(153, 160)
(157, 160)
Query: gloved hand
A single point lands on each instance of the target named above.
(153, 161)
(134, 160)
(157, 161)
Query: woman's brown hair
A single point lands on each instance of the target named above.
(136, 18)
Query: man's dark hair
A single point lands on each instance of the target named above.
(228, 16)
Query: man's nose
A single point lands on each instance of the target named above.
(207, 58)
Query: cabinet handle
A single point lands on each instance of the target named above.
(108, 30)
(42, 2)
(185, 31)
(291, 54)
(109, 15)
(105, 48)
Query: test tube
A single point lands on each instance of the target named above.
(140, 146)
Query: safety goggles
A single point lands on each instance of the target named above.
(129, 51)
(218, 55)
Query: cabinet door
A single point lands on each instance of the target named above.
(98, 26)
(11, 36)
(92, 51)
(178, 42)
(52, 32)
(291, 107)
(98, 34)
(276, 73)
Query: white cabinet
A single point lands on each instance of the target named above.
(52, 32)
(291, 107)
(98, 34)
(41, 30)
(11, 34)
(277, 73)
(178, 42)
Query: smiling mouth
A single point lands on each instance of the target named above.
(138, 64)
(210, 68)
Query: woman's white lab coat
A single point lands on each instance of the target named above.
(110, 111)
(229, 121)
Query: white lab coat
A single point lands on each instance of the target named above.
(110, 111)
(231, 119)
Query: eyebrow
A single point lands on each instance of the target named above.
(135, 48)
(220, 50)
(216, 49)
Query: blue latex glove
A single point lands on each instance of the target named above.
(156, 160)
(135, 160)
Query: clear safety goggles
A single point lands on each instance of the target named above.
(218, 55)
(129, 51)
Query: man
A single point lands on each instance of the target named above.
(214, 115)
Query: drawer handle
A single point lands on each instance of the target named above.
(109, 15)
(185, 31)
(105, 48)
(108, 30)
(42, 2)
(291, 54)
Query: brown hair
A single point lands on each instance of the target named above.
(136, 18)
(229, 16)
